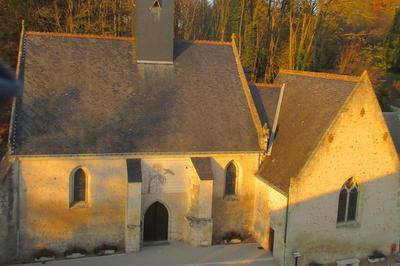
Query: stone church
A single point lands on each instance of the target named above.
(131, 141)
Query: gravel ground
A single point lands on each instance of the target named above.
(179, 254)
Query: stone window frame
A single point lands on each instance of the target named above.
(232, 197)
(350, 185)
(72, 202)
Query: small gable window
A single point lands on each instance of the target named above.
(348, 197)
(231, 179)
(78, 187)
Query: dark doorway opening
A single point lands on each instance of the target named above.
(271, 240)
(156, 223)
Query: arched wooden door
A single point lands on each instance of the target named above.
(156, 223)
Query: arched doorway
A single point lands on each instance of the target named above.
(156, 223)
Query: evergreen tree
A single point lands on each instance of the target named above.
(392, 45)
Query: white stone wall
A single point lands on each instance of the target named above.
(115, 210)
(46, 219)
(133, 235)
(167, 181)
(199, 225)
(357, 145)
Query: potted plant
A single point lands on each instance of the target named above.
(75, 252)
(232, 238)
(44, 255)
(105, 249)
(376, 256)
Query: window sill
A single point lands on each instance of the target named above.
(231, 198)
(78, 205)
(352, 224)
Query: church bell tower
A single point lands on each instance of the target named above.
(155, 31)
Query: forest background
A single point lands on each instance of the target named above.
(338, 36)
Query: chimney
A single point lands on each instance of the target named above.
(155, 31)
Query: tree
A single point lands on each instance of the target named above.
(392, 45)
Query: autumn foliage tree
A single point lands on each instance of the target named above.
(317, 35)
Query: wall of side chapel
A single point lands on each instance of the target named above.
(46, 219)
(357, 145)
(233, 214)
(270, 212)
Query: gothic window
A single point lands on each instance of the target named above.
(347, 208)
(79, 186)
(230, 179)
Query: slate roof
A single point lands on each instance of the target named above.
(88, 96)
(266, 99)
(134, 169)
(310, 104)
(393, 123)
(203, 167)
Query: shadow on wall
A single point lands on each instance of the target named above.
(313, 230)
(8, 218)
(181, 48)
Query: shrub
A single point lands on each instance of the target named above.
(376, 254)
(48, 253)
(231, 235)
(99, 250)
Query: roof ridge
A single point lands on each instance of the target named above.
(247, 91)
(320, 75)
(207, 42)
(19, 72)
(267, 85)
(78, 35)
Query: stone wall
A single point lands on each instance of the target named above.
(116, 209)
(167, 181)
(8, 218)
(270, 212)
(233, 214)
(46, 219)
(133, 231)
(199, 225)
(357, 145)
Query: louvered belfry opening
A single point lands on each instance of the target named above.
(156, 4)
(155, 31)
